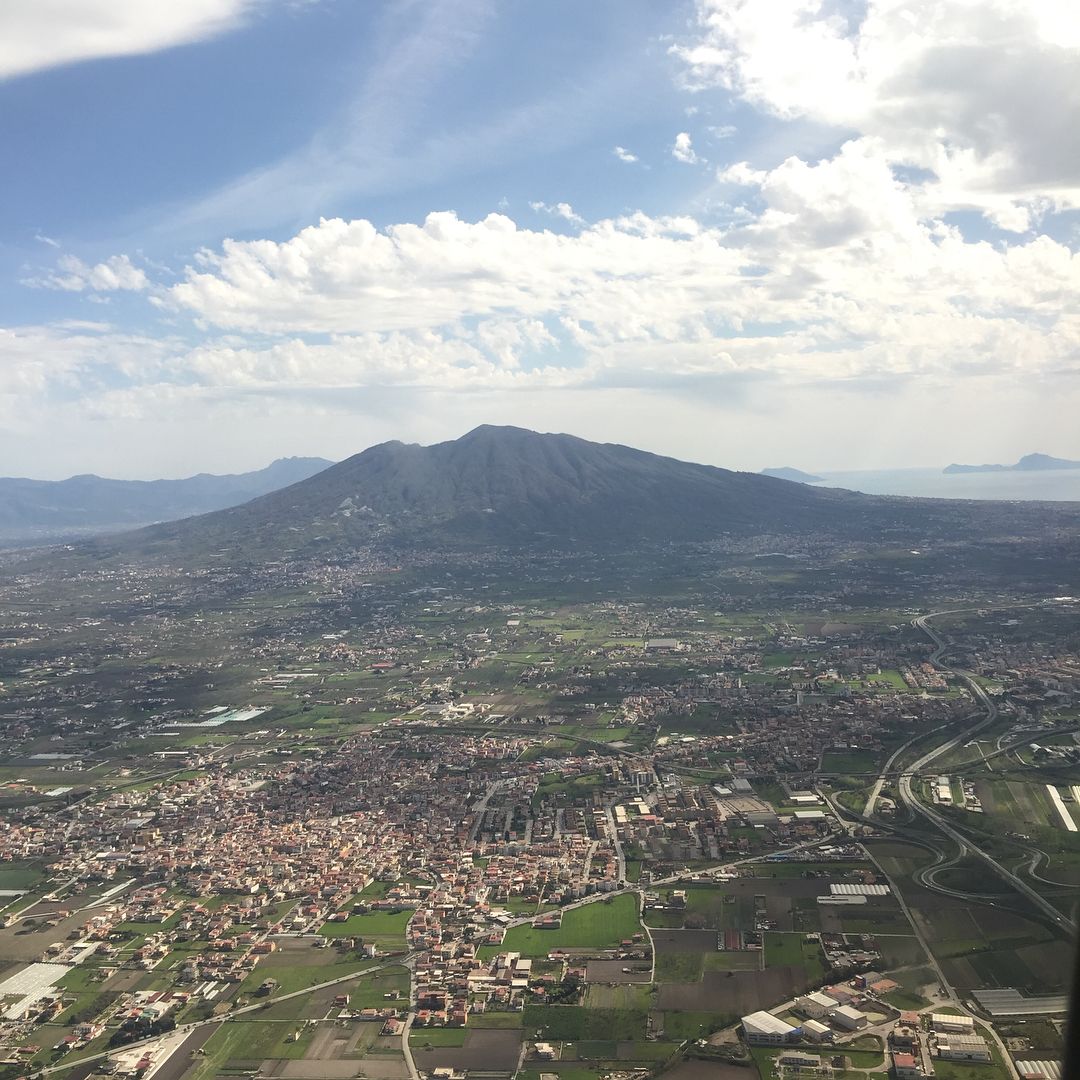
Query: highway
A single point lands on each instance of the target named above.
(916, 806)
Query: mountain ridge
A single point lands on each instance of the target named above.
(39, 509)
(504, 488)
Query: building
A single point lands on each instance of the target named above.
(799, 1059)
(816, 1031)
(904, 1037)
(764, 1029)
(905, 1066)
(816, 1004)
(662, 645)
(962, 1025)
(1010, 1002)
(1040, 1070)
(847, 1017)
(963, 1048)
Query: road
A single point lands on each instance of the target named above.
(406, 1048)
(875, 793)
(613, 834)
(480, 807)
(915, 805)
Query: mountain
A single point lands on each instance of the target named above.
(796, 476)
(1028, 463)
(504, 488)
(44, 509)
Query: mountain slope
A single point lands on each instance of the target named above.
(510, 488)
(43, 508)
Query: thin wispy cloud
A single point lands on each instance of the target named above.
(38, 36)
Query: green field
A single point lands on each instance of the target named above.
(249, 1041)
(851, 761)
(291, 976)
(384, 927)
(494, 1020)
(600, 925)
(795, 951)
(573, 1023)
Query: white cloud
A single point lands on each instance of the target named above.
(561, 210)
(982, 93)
(47, 33)
(624, 155)
(347, 276)
(116, 273)
(71, 359)
(741, 173)
(644, 301)
(683, 149)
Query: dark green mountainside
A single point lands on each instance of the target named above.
(506, 487)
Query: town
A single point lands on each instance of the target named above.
(398, 829)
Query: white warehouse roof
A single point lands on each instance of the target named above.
(764, 1023)
(847, 889)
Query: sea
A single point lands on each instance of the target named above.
(1058, 485)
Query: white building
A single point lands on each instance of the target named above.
(963, 1048)
(816, 1004)
(816, 1031)
(962, 1025)
(847, 1017)
(764, 1029)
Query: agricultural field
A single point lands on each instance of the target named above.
(601, 925)
(383, 928)
(978, 945)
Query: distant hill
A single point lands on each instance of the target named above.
(1029, 463)
(796, 476)
(33, 510)
(505, 489)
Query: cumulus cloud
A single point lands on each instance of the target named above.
(48, 33)
(560, 210)
(840, 259)
(115, 274)
(982, 94)
(624, 155)
(683, 149)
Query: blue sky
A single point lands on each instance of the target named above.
(236, 229)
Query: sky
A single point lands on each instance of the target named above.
(835, 234)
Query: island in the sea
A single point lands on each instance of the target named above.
(786, 472)
(1028, 463)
